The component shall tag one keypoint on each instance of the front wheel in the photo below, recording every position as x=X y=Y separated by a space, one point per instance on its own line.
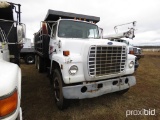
x=58 y=84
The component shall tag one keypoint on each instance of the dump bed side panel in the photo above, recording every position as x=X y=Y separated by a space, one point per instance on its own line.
x=41 y=44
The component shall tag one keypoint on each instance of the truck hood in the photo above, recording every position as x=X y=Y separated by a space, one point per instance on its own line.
x=77 y=46
x=79 y=51
x=8 y=77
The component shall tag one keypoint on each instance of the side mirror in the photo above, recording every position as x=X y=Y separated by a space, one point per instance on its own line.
x=53 y=30
x=53 y=35
x=100 y=32
x=21 y=32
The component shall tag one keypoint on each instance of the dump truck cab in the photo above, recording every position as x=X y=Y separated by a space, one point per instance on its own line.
x=10 y=73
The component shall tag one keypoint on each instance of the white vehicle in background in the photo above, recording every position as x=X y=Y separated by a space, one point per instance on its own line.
x=81 y=64
x=10 y=73
x=131 y=49
x=130 y=35
x=27 y=52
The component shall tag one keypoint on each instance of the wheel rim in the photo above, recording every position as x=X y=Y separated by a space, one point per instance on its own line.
x=56 y=89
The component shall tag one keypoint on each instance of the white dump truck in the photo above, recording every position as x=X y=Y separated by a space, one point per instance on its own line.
x=27 y=52
x=10 y=73
x=120 y=37
x=131 y=49
x=80 y=63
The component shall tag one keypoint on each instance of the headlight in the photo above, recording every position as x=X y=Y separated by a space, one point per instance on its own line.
x=8 y=104
x=131 y=64
x=73 y=70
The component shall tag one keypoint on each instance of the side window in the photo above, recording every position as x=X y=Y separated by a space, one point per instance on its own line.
x=92 y=33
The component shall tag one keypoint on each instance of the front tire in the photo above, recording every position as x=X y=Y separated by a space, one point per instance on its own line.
x=58 y=84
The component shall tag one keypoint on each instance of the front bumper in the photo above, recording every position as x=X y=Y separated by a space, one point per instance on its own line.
x=94 y=89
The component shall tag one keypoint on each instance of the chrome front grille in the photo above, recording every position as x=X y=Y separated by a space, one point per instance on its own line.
x=106 y=60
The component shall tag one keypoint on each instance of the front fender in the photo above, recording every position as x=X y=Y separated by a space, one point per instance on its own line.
x=67 y=62
x=130 y=70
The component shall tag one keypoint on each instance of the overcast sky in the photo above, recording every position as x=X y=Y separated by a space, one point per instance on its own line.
x=111 y=13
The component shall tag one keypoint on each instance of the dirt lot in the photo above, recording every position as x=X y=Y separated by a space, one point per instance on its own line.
x=38 y=102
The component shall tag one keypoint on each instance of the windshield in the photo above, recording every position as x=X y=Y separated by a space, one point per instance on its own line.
x=76 y=29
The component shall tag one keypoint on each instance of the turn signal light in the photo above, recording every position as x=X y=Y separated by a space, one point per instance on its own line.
x=44 y=28
x=66 y=53
x=8 y=104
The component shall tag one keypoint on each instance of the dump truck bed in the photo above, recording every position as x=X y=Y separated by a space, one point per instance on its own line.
x=53 y=15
